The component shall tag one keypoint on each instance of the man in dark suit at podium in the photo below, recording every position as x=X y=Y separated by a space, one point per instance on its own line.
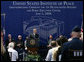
x=33 y=43
x=34 y=38
x=34 y=35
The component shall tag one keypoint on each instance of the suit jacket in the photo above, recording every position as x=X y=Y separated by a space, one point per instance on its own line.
x=20 y=42
x=74 y=44
x=33 y=37
x=7 y=42
x=49 y=42
x=36 y=36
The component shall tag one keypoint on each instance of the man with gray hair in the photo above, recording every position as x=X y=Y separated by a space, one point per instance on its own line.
x=12 y=52
x=20 y=47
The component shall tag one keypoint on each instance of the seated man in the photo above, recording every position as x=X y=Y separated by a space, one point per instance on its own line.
x=12 y=52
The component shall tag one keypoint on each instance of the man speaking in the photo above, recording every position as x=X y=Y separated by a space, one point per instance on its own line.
x=34 y=35
x=33 y=43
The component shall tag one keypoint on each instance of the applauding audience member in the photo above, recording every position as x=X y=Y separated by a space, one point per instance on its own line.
x=12 y=52
x=49 y=55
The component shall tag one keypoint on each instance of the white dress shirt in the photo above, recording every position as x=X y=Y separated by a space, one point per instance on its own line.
x=49 y=55
x=13 y=54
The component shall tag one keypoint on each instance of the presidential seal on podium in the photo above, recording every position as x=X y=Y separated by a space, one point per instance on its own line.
x=32 y=42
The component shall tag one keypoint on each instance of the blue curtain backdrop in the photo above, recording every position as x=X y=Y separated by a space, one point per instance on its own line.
x=54 y=17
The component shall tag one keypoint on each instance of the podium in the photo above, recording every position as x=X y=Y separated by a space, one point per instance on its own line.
x=32 y=46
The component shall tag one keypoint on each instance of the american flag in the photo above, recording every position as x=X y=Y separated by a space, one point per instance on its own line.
x=82 y=27
x=82 y=24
